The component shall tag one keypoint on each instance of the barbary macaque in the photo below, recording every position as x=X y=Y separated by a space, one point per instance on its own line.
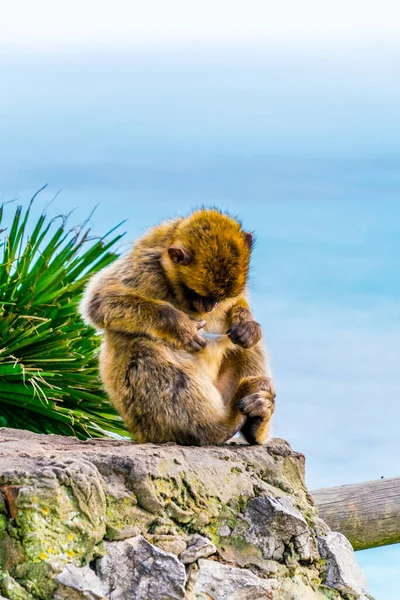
x=184 y=280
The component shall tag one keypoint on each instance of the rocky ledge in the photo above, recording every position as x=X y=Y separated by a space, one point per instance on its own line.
x=108 y=519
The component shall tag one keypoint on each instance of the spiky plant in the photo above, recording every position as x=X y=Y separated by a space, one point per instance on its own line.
x=48 y=367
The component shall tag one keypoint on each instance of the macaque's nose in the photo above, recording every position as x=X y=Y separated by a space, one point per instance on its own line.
x=210 y=303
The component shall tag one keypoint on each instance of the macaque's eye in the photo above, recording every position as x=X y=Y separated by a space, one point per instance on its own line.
x=179 y=256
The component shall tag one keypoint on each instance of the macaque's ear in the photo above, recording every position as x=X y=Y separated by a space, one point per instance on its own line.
x=179 y=256
x=249 y=239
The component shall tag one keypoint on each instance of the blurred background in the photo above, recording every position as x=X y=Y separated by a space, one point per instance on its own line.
x=286 y=116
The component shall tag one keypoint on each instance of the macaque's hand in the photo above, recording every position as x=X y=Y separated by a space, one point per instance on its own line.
x=188 y=335
x=245 y=333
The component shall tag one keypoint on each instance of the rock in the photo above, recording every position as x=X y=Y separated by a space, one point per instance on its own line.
x=224 y=531
x=198 y=547
x=343 y=572
x=178 y=514
x=169 y=543
x=297 y=589
x=250 y=557
x=123 y=534
x=274 y=523
x=223 y=582
x=12 y=588
x=64 y=503
x=136 y=570
x=79 y=583
x=59 y=507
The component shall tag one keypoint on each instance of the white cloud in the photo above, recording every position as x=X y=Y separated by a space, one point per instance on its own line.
x=45 y=22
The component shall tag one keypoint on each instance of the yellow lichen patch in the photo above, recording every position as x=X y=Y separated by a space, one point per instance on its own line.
x=123 y=513
x=55 y=517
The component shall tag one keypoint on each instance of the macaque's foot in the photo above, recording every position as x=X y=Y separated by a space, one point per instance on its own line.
x=260 y=404
x=258 y=408
x=257 y=384
x=245 y=333
x=257 y=402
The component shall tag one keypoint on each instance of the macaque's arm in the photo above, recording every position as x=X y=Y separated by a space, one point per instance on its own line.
x=118 y=308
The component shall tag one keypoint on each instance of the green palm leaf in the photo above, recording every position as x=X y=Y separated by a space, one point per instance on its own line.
x=49 y=380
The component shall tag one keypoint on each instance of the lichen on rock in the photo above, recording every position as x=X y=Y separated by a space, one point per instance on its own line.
x=117 y=520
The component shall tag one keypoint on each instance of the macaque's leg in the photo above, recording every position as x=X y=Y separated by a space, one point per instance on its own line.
x=163 y=398
x=244 y=378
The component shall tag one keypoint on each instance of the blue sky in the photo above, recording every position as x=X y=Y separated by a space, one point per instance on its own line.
x=302 y=142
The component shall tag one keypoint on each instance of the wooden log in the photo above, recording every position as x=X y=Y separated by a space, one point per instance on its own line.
x=368 y=514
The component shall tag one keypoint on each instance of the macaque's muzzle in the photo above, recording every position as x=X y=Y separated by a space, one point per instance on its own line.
x=202 y=305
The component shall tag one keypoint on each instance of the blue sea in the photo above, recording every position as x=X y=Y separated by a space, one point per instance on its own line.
x=303 y=144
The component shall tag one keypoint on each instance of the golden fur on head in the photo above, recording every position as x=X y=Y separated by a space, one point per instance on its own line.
x=213 y=258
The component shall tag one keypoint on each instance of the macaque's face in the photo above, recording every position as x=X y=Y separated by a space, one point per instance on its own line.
x=211 y=263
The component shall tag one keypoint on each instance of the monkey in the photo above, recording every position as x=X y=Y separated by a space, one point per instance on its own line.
x=182 y=280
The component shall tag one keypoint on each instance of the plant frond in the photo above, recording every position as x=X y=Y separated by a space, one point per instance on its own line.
x=49 y=379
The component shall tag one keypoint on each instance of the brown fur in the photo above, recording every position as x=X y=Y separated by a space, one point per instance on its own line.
x=167 y=381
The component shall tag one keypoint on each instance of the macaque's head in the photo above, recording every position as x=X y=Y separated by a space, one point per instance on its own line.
x=209 y=258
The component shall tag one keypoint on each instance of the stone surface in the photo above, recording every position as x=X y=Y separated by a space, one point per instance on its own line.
x=136 y=570
x=79 y=583
x=198 y=547
x=224 y=531
x=223 y=582
x=139 y=512
x=298 y=589
x=11 y=588
x=274 y=523
x=343 y=573
x=170 y=543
